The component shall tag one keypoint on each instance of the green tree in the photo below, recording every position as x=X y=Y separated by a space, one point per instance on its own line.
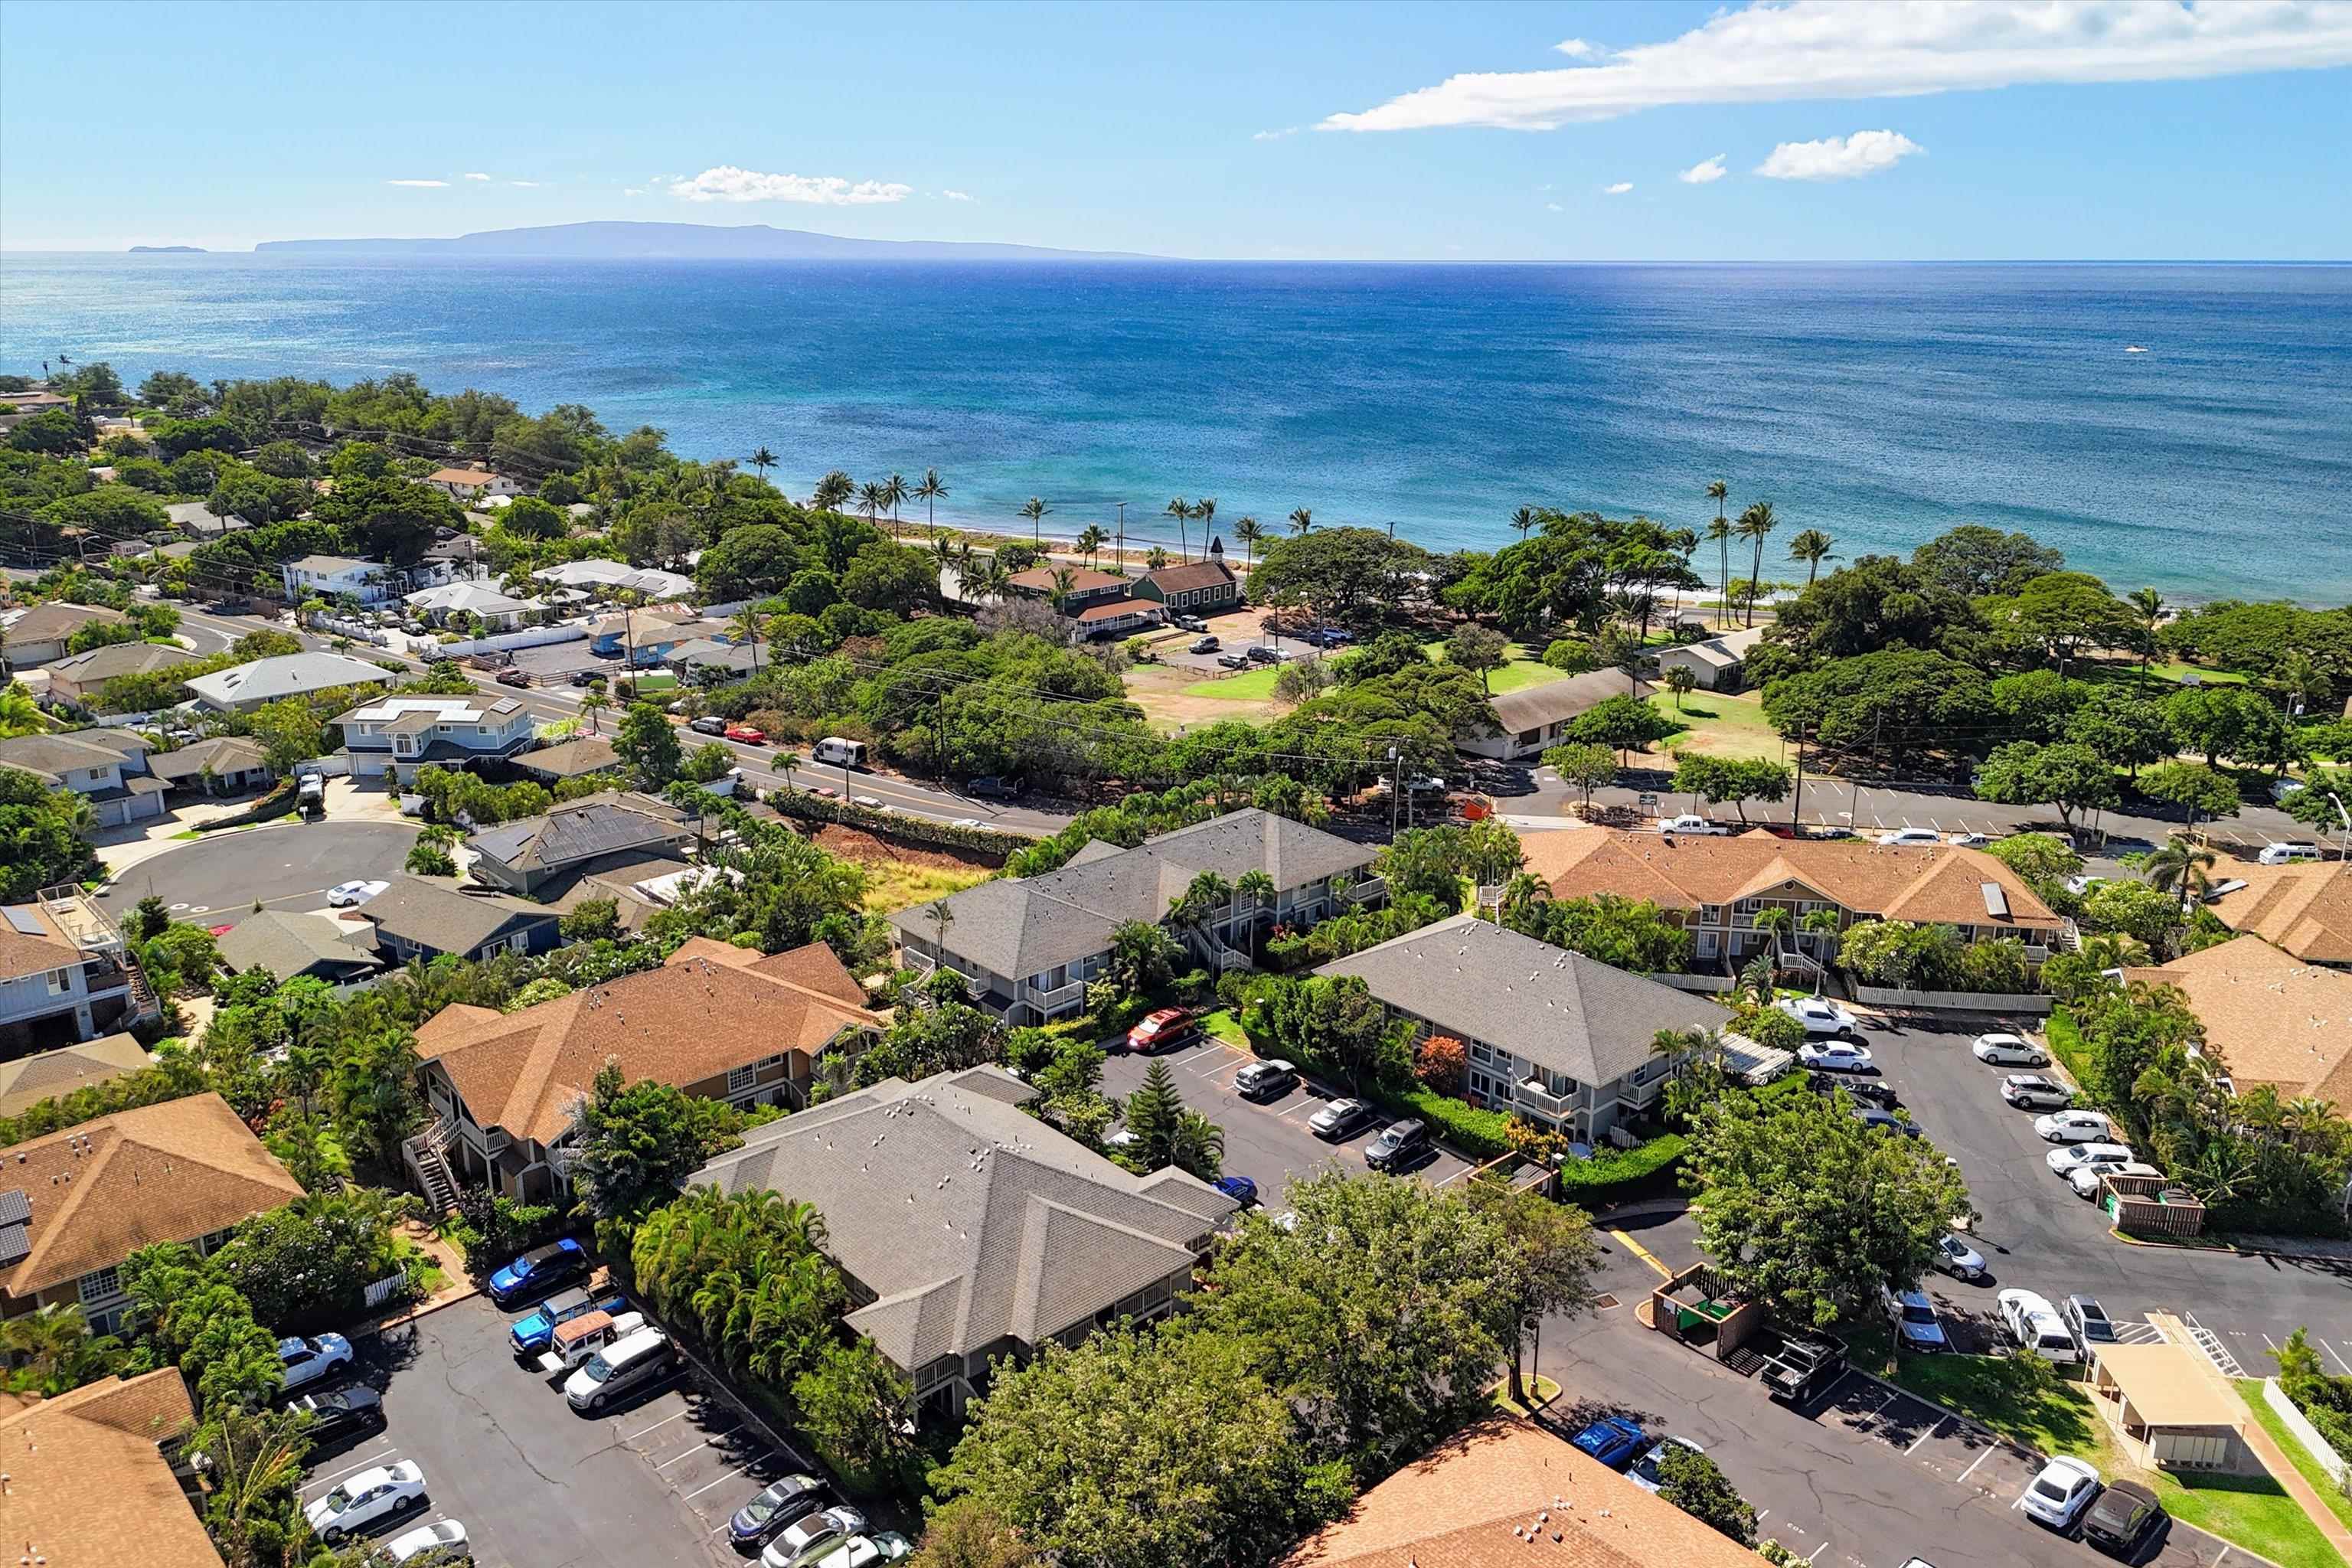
x=1696 y=1485
x=2065 y=612
x=965 y=1534
x=2071 y=777
x=2199 y=789
x=43 y=834
x=2126 y=732
x=251 y=1461
x=1625 y=933
x=635 y=1144
x=1153 y=1110
x=854 y=1407
x=429 y=858
x=1620 y=723
x=1812 y=548
x=647 y=742
x=1756 y=523
x=1584 y=766
x=1553 y=1253
x=371 y=1090
x=1482 y=648
x=1976 y=561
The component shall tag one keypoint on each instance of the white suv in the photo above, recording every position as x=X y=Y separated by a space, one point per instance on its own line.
x=2009 y=1051
x=2073 y=1157
x=368 y=1497
x=2034 y=1323
x=2074 y=1127
x=1819 y=1015
x=1911 y=838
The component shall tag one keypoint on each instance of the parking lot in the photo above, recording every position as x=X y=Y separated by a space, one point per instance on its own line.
x=1267 y=1141
x=538 y=1485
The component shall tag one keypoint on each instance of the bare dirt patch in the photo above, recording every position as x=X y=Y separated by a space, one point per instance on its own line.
x=874 y=849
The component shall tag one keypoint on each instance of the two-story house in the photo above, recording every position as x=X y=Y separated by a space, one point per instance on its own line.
x=1095 y=604
x=106 y=766
x=401 y=735
x=369 y=583
x=540 y=856
x=100 y=1474
x=66 y=974
x=471 y=484
x=1027 y=946
x=1207 y=587
x=37 y=634
x=970 y=1231
x=74 y=1205
x=2303 y=909
x=719 y=1022
x=1552 y=1035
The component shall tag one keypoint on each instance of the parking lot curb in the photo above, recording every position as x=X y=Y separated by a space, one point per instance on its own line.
x=426 y=1311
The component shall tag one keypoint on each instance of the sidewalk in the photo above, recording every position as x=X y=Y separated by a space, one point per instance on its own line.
x=2276 y=1461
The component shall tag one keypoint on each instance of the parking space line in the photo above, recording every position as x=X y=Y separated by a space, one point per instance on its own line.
x=1930 y=1432
x=689 y=1453
x=1644 y=1253
x=329 y=1481
x=658 y=1426
x=735 y=1474
x=1990 y=1449
x=2331 y=1350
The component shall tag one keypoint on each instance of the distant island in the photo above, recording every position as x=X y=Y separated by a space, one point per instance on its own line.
x=167 y=250
x=686 y=241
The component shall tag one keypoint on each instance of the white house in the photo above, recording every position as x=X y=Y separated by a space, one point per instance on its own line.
x=330 y=576
x=471 y=484
x=401 y=735
x=1535 y=719
x=106 y=766
x=501 y=611
x=653 y=584
x=264 y=680
x=1719 y=664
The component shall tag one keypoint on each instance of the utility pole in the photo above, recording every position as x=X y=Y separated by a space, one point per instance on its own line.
x=1122 y=538
x=1396 y=787
x=1796 y=810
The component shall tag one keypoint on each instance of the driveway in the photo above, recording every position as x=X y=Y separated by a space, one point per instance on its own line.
x=1268 y=1142
x=218 y=879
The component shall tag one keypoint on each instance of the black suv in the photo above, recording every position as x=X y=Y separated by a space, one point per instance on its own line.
x=1401 y=1144
x=2119 y=1523
x=1865 y=1091
x=341 y=1415
x=1803 y=1368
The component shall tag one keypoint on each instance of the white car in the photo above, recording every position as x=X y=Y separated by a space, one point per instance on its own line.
x=2009 y=1051
x=1818 y=1014
x=871 y=803
x=1969 y=840
x=807 y=1541
x=1911 y=838
x=2078 y=886
x=368 y=1497
x=972 y=822
x=2032 y=1321
x=442 y=1535
x=350 y=895
x=865 y=1550
x=306 y=1361
x=2075 y=1157
x=2086 y=1181
x=1689 y=824
x=1644 y=1471
x=2058 y=1496
x=2074 y=1127
x=1838 y=1056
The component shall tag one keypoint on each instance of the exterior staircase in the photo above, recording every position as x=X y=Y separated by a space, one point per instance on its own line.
x=427 y=1160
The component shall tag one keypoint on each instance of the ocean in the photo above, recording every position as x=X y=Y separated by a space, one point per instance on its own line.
x=2185 y=428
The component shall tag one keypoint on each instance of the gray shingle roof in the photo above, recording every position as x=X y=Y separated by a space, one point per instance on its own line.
x=427 y=914
x=577 y=830
x=1533 y=707
x=292 y=944
x=61 y=754
x=222 y=755
x=1543 y=1004
x=284 y=675
x=969 y=1221
x=104 y=664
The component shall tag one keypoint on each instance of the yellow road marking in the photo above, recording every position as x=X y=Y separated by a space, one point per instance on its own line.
x=1645 y=1254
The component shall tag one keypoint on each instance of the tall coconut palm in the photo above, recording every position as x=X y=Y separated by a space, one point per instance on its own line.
x=1754 y=523
x=1720 y=531
x=1065 y=583
x=1258 y=887
x=928 y=492
x=1301 y=520
x=1092 y=540
x=1523 y=520
x=894 y=496
x=2149 y=605
x=1812 y=548
x=762 y=459
x=1182 y=511
x=831 y=492
x=785 y=762
x=870 y=502
x=1247 y=531
x=745 y=630
x=1035 y=509
x=1204 y=511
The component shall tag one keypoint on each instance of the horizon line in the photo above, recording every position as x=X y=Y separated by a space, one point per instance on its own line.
x=1099 y=258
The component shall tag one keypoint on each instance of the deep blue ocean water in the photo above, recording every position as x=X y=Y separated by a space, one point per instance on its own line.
x=1882 y=402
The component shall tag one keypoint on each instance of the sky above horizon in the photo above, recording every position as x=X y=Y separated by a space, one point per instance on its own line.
x=1797 y=131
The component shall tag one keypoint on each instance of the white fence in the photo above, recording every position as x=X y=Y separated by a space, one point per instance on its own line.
x=507 y=642
x=1956 y=1001
x=1713 y=985
x=384 y=1289
x=357 y=631
x=2304 y=1432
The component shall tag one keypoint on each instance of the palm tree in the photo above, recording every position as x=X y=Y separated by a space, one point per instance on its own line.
x=871 y=503
x=1301 y=520
x=1196 y=1146
x=1258 y=887
x=894 y=495
x=1523 y=520
x=831 y=492
x=1679 y=679
x=1065 y=582
x=592 y=704
x=785 y=761
x=1182 y=511
x=745 y=628
x=1157 y=559
x=1247 y=531
x=251 y=1461
x=1720 y=532
x=928 y=492
x=2181 y=866
x=1754 y=523
x=1035 y=509
x=1204 y=511
x=1812 y=548
x=2148 y=605
x=942 y=917
x=762 y=459
x=1092 y=541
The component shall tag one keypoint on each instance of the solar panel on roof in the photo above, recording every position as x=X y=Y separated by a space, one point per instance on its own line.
x=26 y=922
x=14 y=1207
x=1996 y=901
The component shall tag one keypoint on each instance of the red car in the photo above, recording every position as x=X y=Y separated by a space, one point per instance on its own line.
x=1164 y=1028
x=748 y=735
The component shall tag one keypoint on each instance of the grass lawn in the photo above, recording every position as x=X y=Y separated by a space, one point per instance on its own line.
x=1257 y=685
x=893 y=885
x=1731 y=726
x=1226 y=1028
x=1244 y=686
x=1541 y=1391
x=2251 y=1389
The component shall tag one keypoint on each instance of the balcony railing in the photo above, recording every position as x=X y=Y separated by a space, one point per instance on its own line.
x=1536 y=1097
x=1055 y=999
x=80 y=918
x=1371 y=888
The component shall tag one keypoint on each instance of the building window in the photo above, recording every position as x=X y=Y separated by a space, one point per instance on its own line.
x=775 y=1061
x=741 y=1080
x=59 y=980
x=102 y=1285
x=1711 y=914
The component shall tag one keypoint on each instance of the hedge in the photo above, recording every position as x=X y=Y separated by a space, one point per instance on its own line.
x=2067 y=1044
x=1614 y=1176
x=809 y=808
x=275 y=804
x=1476 y=1132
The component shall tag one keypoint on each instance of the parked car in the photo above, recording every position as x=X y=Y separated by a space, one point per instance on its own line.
x=1265 y=1081
x=1958 y=1260
x=2283 y=853
x=446 y=1536
x=1264 y=654
x=1339 y=1119
x=350 y=895
x=708 y=724
x=2075 y=1157
x=2074 y=1127
x=337 y=1416
x=1400 y=1145
x=538 y=1272
x=2087 y=1323
x=2082 y=884
x=1645 y=1473
x=2058 y=1496
x=1886 y=1120
x=1234 y=661
x=1689 y=824
x=2122 y=1518
x=589 y=1335
x=812 y=1537
x=1968 y=840
x=1802 y=1367
x=307 y=1360
x=370 y=1498
x=867 y=1551
x=533 y=1332
x=1206 y=645
x=1822 y=1018
x=1915 y=1322
x=1912 y=838
x=2009 y=1051
x=512 y=676
x=1241 y=1189
x=1614 y=1440
x=1167 y=1026
x=870 y=802
x=581 y=677
x=989 y=787
x=747 y=734
x=1865 y=1091
x=1838 y=1056
x=779 y=1505
x=2033 y=1090
x=620 y=1370
x=2087 y=1181
x=2034 y=1324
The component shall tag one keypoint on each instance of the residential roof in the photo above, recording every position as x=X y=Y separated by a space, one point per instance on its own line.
x=1720 y=653
x=612 y=574
x=1561 y=1010
x=433 y=710
x=33 y=943
x=600 y=824
x=707 y=651
x=2167 y=1387
x=291 y=945
x=1533 y=707
x=104 y=664
x=87 y=1484
x=481 y=598
x=101 y=1191
x=1192 y=575
x=2305 y=909
x=1018 y=927
x=1506 y=1493
x=48 y=1075
x=463 y=477
x=334 y=565
x=1114 y=609
x=53 y=621
x=646 y=623
x=60 y=754
x=426 y=913
x=523 y=1070
x=584 y=755
x=1938 y=885
x=2270 y=1017
x=970 y=1220
x=1083 y=579
x=284 y=675
x=221 y=755
x=199 y=518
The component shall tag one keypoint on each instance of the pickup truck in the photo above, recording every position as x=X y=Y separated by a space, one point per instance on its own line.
x=1689 y=824
x=584 y=1336
x=1801 y=1368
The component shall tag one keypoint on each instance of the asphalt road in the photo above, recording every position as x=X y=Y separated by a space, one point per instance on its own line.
x=217 y=879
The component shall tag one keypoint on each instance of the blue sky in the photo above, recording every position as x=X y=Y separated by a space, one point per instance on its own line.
x=2087 y=129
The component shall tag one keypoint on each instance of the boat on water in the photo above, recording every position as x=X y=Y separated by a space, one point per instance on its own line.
x=2134 y=349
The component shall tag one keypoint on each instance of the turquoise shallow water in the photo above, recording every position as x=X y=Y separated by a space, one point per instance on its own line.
x=1880 y=403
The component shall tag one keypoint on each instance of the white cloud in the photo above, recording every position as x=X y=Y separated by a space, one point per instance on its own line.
x=1554 y=206
x=1771 y=53
x=420 y=184
x=1838 y=157
x=633 y=191
x=1619 y=189
x=526 y=184
x=1576 y=48
x=957 y=195
x=1274 y=135
x=1704 y=172
x=478 y=177
x=729 y=183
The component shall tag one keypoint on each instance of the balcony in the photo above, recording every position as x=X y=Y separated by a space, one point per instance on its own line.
x=1367 y=890
x=83 y=922
x=1532 y=1095
x=1055 y=999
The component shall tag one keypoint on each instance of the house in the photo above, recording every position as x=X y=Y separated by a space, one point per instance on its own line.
x=105 y=765
x=457 y=559
x=2170 y=1409
x=1505 y=1492
x=421 y=920
x=37 y=634
x=1088 y=587
x=708 y=658
x=970 y=1231
x=296 y=945
x=369 y=583
x=401 y=735
x=609 y=575
x=1716 y=887
x=496 y=611
x=1534 y=719
x=1117 y=618
x=471 y=484
x=2304 y=911
x=224 y=764
x=2268 y=1018
x=719 y=1022
x=248 y=686
x=88 y=1197
x=1027 y=946
x=16 y=407
x=26 y=1081
x=533 y=854
x=197 y=517
x=576 y=758
x=66 y=974
x=1719 y=664
x=95 y=1477
x=79 y=678
x=1556 y=1038
x=1207 y=587
x=650 y=637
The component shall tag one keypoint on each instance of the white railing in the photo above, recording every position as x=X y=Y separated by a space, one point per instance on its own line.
x=1048 y=1001
x=2304 y=1432
x=1956 y=1001
x=1536 y=1097
x=383 y=1290
x=1367 y=889
x=82 y=920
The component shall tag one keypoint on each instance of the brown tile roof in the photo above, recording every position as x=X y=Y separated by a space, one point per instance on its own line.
x=463 y=476
x=1187 y=578
x=1083 y=579
x=2269 y=1016
x=103 y=1189
x=587 y=755
x=22 y=954
x=2305 y=909
x=28 y=1080
x=711 y=1007
x=87 y=1486
x=1507 y=1494
x=1939 y=885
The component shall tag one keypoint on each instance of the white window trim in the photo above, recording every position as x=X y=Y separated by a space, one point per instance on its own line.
x=107 y=1287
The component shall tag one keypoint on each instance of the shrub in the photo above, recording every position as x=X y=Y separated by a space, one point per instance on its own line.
x=1442 y=1064
x=1616 y=1176
x=1481 y=1135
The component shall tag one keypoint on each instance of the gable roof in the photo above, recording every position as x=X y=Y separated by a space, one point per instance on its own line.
x=1506 y=1493
x=62 y=754
x=87 y=1484
x=33 y=943
x=2305 y=909
x=285 y=675
x=53 y=621
x=1114 y=609
x=600 y=824
x=1017 y=927
x=584 y=755
x=1190 y=576
x=1083 y=580
x=50 y=1075
x=334 y=565
x=426 y=913
x=290 y=944
x=221 y=755
x=970 y=1220
x=1928 y=885
x=1719 y=653
x=1561 y=1010
x=101 y=1191
x=462 y=477
x=119 y=658
x=2270 y=1017
x=1533 y=707
x=709 y=1008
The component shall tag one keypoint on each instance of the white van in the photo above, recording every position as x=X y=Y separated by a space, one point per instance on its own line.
x=2281 y=854
x=619 y=1370
x=833 y=749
